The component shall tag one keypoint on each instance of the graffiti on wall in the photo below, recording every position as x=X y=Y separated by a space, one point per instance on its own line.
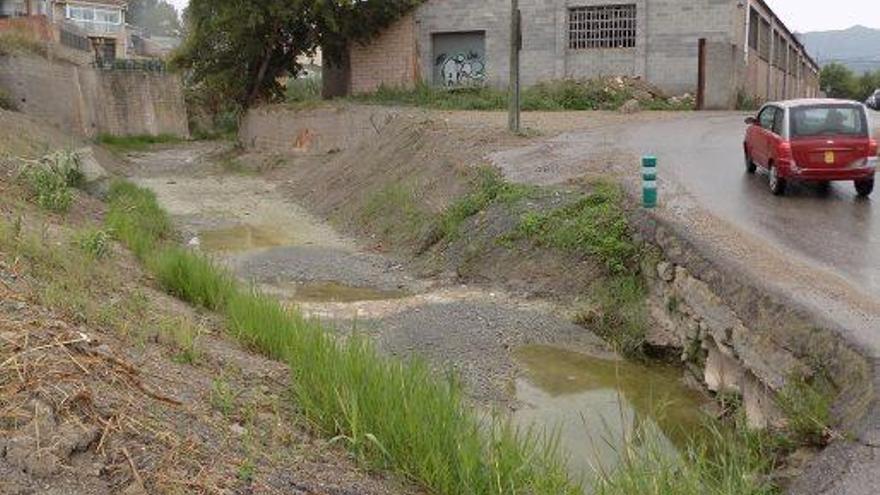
x=462 y=69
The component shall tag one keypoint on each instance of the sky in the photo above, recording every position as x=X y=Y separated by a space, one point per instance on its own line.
x=799 y=15
x=180 y=4
x=822 y=15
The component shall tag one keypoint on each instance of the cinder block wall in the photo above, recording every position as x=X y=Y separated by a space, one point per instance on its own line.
x=391 y=59
x=666 y=51
x=86 y=101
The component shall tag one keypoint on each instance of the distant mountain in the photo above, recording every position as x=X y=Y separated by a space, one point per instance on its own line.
x=857 y=47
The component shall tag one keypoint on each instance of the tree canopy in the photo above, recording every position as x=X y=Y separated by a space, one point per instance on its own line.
x=156 y=17
x=838 y=81
x=236 y=50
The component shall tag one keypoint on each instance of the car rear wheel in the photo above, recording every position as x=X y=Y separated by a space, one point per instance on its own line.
x=865 y=187
x=751 y=168
x=777 y=183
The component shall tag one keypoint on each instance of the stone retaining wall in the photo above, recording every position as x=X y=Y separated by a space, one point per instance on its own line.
x=739 y=339
x=87 y=101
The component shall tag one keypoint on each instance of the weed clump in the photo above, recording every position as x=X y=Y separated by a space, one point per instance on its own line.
x=136 y=219
x=52 y=179
x=95 y=242
x=487 y=187
x=807 y=407
x=594 y=226
x=192 y=277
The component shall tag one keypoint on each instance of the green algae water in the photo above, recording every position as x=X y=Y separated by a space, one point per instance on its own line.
x=596 y=405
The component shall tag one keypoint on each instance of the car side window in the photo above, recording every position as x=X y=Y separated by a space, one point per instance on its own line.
x=766 y=118
x=779 y=122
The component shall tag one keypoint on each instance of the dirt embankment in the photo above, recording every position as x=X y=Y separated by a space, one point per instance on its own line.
x=108 y=386
x=389 y=188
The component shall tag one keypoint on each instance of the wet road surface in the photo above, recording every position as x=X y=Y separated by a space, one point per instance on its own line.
x=830 y=227
x=700 y=154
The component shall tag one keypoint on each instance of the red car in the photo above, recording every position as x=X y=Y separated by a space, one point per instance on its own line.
x=812 y=140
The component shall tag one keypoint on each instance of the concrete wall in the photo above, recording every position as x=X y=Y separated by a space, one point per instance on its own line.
x=766 y=78
x=86 y=101
x=285 y=131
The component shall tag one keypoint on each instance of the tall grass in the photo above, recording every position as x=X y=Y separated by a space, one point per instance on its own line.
x=136 y=218
x=725 y=461
x=391 y=414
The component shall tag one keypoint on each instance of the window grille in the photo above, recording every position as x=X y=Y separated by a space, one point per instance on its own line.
x=602 y=26
x=764 y=41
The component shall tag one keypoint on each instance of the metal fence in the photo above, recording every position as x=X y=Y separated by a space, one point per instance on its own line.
x=74 y=40
x=120 y=64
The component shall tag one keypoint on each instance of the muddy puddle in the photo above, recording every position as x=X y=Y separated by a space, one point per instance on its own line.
x=595 y=404
x=244 y=237
x=333 y=292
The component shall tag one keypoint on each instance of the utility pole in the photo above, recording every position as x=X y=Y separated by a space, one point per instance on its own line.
x=515 y=48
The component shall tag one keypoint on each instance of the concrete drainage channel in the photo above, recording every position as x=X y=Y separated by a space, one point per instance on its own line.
x=508 y=351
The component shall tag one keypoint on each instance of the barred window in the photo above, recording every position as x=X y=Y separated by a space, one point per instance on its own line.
x=602 y=26
x=754 y=28
x=764 y=41
x=780 y=48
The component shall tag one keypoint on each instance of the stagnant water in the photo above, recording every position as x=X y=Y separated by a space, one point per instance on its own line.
x=332 y=292
x=596 y=405
x=242 y=238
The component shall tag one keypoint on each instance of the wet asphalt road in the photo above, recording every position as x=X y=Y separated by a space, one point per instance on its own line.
x=702 y=152
x=833 y=227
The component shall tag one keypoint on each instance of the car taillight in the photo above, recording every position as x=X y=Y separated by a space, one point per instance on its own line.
x=872 y=147
x=783 y=152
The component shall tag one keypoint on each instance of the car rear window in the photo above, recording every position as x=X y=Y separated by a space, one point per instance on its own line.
x=828 y=120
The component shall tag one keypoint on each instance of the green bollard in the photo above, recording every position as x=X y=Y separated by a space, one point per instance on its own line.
x=649 y=182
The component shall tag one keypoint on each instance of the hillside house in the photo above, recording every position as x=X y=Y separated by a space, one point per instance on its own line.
x=100 y=22
x=721 y=50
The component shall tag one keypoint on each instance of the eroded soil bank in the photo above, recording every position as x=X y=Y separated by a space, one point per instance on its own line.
x=502 y=344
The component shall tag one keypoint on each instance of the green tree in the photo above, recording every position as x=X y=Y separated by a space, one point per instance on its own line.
x=839 y=82
x=867 y=84
x=236 y=50
x=156 y=17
